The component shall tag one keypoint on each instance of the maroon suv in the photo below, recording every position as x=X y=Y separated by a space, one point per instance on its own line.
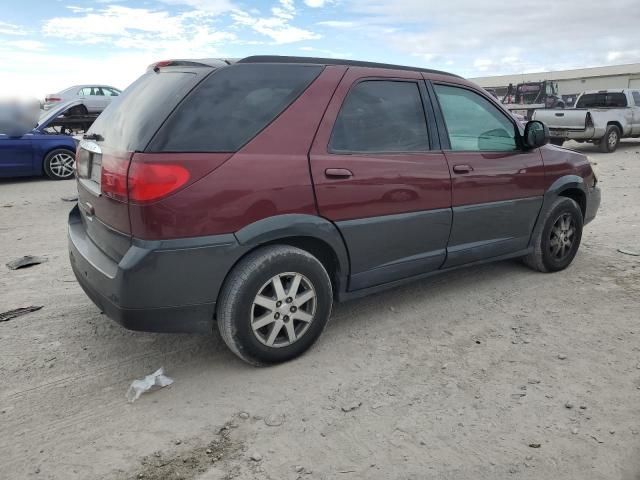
x=253 y=194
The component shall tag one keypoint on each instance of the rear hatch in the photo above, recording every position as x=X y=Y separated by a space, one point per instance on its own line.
x=104 y=155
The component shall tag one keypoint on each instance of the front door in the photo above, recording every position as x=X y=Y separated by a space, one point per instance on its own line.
x=497 y=187
x=376 y=176
x=16 y=156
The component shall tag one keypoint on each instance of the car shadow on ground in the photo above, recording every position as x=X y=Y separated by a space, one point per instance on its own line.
x=209 y=352
x=626 y=145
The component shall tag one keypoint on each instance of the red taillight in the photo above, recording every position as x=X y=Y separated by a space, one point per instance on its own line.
x=113 y=177
x=152 y=181
x=52 y=99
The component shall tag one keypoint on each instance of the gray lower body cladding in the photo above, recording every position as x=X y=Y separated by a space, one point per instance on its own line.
x=164 y=286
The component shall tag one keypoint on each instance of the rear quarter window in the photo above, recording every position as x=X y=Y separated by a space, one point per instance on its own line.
x=232 y=106
x=602 y=100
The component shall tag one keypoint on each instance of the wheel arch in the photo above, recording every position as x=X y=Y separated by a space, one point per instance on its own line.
x=568 y=186
x=615 y=123
x=316 y=235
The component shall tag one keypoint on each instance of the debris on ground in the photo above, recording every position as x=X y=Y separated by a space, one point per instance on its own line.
x=16 y=312
x=274 y=420
x=244 y=415
x=629 y=252
x=138 y=387
x=26 y=261
x=70 y=198
x=534 y=445
x=562 y=356
x=256 y=457
x=352 y=406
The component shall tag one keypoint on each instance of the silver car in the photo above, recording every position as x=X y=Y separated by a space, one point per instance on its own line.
x=94 y=97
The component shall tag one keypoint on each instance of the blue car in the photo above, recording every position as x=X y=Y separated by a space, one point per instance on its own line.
x=45 y=149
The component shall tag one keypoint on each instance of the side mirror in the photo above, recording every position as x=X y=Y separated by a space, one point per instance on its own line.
x=536 y=134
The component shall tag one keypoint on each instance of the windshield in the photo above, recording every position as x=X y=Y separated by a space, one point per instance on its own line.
x=602 y=100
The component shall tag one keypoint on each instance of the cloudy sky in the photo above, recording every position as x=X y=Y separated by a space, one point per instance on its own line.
x=46 y=46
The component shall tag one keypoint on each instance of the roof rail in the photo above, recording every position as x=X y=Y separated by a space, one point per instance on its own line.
x=336 y=61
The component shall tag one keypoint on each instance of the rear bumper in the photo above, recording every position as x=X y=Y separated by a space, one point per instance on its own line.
x=593 y=203
x=157 y=286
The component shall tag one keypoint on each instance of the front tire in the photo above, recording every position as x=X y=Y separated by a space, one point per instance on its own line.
x=557 y=242
x=59 y=164
x=611 y=140
x=274 y=305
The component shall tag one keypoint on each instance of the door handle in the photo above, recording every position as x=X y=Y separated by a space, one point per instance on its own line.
x=338 y=173
x=462 y=168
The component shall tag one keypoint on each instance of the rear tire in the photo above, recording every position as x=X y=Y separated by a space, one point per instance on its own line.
x=611 y=140
x=59 y=164
x=557 y=242
x=274 y=305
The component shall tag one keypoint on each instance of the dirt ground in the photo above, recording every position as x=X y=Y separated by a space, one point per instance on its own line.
x=487 y=373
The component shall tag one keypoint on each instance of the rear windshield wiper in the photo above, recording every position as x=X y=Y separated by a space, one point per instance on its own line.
x=93 y=136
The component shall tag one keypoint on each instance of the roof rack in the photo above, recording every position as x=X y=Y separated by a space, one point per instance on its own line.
x=336 y=61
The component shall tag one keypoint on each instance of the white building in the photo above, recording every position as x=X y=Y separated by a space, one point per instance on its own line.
x=572 y=82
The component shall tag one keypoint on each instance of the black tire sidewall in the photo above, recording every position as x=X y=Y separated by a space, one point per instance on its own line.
x=47 y=160
x=243 y=334
x=566 y=206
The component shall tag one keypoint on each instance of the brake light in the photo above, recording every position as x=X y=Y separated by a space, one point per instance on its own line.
x=152 y=181
x=52 y=99
x=113 y=177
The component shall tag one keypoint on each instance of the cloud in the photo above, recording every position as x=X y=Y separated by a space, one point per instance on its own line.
x=338 y=23
x=11 y=29
x=31 y=45
x=315 y=3
x=277 y=26
x=186 y=34
x=551 y=35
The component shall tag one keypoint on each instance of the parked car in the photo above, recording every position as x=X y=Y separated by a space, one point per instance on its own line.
x=255 y=194
x=42 y=150
x=94 y=97
x=602 y=117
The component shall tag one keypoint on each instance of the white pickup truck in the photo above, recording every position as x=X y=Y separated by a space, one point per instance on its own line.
x=602 y=117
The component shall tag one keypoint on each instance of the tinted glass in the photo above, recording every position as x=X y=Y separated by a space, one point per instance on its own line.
x=636 y=98
x=231 y=106
x=381 y=116
x=132 y=118
x=474 y=123
x=602 y=100
x=85 y=91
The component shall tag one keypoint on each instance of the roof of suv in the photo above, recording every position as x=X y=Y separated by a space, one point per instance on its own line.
x=219 y=62
x=336 y=61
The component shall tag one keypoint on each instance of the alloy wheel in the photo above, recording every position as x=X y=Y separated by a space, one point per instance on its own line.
x=562 y=236
x=283 y=309
x=62 y=165
x=613 y=139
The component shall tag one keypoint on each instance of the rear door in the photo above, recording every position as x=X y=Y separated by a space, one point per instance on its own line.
x=16 y=155
x=497 y=187
x=379 y=175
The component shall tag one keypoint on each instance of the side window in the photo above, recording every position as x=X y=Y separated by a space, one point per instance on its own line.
x=110 y=92
x=86 y=91
x=474 y=123
x=636 y=98
x=232 y=106
x=381 y=116
x=97 y=91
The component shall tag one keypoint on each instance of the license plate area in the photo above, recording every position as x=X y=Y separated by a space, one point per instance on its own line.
x=89 y=162
x=558 y=133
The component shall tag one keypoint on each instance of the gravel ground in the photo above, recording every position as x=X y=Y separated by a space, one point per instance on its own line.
x=488 y=373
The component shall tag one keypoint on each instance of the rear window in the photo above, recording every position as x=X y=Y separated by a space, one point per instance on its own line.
x=602 y=100
x=132 y=118
x=231 y=106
